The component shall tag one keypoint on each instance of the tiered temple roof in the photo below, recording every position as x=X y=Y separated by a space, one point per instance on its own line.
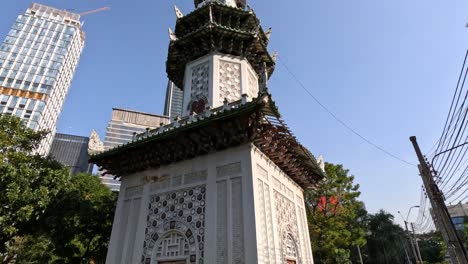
x=215 y=27
x=257 y=122
x=232 y=30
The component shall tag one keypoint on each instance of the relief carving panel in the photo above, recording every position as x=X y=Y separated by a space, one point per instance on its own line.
x=179 y=212
x=287 y=227
x=199 y=87
x=229 y=81
x=253 y=85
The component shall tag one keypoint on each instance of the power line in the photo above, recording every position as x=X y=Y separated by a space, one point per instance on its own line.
x=453 y=99
x=339 y=120
x=459 y=183
x=450 y=157
x=422 y=206
x=454 y=170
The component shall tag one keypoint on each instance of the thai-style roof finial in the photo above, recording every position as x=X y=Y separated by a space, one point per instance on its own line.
x=225 y=104
x=244 y=99
x=207 y=111
x=172 y=35
x=274 y=56
x=178 y=13
x=321 y=163
x=95 y=145
x=268 y=33
x=161 y=128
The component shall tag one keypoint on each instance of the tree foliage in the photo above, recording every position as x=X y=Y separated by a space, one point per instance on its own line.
x=77 y=224
x=335 y=216
x=28 y=182
x=432 y=247
x=386 y=241
x=47 y=215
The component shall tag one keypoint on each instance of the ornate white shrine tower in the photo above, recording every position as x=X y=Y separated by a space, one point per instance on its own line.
x=224 y=183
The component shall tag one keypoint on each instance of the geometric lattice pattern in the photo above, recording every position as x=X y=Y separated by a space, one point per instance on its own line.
x=176 y=225
x=200 y=81
x=200 y=78
x=229 y=81
x=173 y=245
x=287 y=225
x=291 y=250
x=253 y=86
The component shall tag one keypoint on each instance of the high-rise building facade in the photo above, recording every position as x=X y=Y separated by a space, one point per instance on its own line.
x=174 y=100
x=459 y=215
x=37 y=61
x=121 y=129
x=72 y=152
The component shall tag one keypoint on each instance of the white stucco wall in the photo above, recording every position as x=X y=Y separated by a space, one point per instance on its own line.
x=279 y=212
x=239 y=210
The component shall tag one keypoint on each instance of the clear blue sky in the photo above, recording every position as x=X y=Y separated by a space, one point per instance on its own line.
x=388 y=68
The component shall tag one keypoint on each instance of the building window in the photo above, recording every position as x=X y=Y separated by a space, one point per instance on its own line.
x=458 y=222
x=13 y=101
x=5 y=99
x=19 y=112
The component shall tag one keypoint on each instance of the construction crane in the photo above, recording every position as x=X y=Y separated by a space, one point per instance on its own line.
x=95 y=11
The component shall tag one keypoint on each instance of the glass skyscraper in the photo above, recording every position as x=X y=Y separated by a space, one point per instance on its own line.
x=37 y=61
x=174 y=101
x=72 y=152
x=120 y=130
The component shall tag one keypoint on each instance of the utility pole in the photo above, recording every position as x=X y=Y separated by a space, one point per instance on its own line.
x=416 y=244
x=411 y=243
x=408 y=261
x=441 y=216
x=410 y=238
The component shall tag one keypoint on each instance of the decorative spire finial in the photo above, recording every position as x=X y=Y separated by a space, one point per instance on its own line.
x=172 y=35
x=178 y=13
x=95 y=145
x=274 y=56
x=268 y=33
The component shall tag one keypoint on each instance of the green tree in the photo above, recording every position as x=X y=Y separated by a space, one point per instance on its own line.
x=386 y=242
x=34 y=249
x=432 y=247
x=75 y=227
x=46 y=215
x=79 y=220
x=28 y=182
x=464 y=234
x=336 y=217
